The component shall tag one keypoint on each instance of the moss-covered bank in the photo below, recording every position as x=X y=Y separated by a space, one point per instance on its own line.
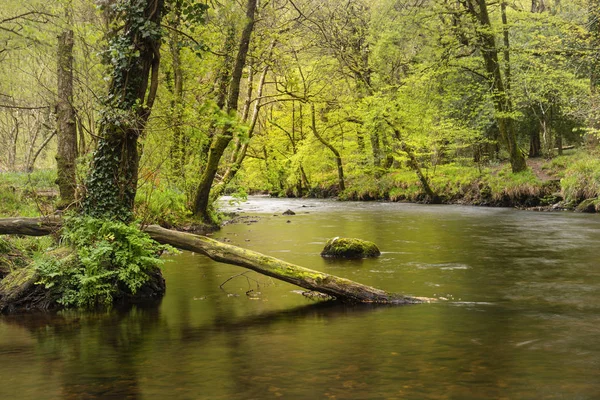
x=97 y=263
x=570 y=182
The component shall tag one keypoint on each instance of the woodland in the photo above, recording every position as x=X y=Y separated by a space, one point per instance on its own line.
x=120 y=114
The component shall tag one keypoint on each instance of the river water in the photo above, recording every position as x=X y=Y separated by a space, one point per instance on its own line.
x=518 y=315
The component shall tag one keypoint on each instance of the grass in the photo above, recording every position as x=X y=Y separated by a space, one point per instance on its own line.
x=19 y=193
x=581 y=179
x=453 y=183
x=515 y=188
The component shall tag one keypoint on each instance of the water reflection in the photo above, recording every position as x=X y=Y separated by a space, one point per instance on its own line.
x=90 y=355
x=521 y=319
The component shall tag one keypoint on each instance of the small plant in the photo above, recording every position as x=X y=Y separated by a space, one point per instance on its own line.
x=110 y=258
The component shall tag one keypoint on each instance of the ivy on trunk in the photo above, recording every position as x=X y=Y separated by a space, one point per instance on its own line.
x=134 y=57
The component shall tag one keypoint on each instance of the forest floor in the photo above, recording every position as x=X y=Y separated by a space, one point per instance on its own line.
x=537 y=167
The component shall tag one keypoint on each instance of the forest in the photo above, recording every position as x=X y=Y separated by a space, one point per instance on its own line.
x=114 y=111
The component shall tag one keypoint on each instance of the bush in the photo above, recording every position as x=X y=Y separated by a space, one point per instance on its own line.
x=514 y=186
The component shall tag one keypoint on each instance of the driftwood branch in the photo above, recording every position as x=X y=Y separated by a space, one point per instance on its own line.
x=340 y=288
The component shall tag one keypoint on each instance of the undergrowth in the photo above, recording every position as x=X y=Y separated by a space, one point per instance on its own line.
x=162 y=205
x=19 y=193
x=108 y=259
x=581 y=179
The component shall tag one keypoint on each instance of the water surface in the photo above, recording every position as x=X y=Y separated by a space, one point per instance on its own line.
x=518 y=315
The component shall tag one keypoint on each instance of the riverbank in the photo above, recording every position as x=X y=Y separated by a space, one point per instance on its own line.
x=569 y=182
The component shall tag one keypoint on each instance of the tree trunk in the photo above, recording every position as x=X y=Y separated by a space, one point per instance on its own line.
x=177 y=151
x=501 y=99
x=239 y=153
x=594 y=31
x=112 y=184
x=222 y=139
x=336 y=153
x=535 y=144
x=40 y=149
x=14 y=138
x=414 y=164
x=341 y=289
x=66 y=153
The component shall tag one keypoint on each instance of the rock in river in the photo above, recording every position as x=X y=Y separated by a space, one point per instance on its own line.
x=350 y=248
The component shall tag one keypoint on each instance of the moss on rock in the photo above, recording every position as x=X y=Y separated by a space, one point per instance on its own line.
x=350 y=248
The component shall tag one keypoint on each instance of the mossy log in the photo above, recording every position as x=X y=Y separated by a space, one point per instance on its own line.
x=339 y=288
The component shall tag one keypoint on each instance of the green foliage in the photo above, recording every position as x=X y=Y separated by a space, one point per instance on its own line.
x=161 y=205
x=514 y=186
x=112 y=258
x=581 y=179
x=19 y=193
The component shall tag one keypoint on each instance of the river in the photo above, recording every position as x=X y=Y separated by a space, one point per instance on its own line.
x=517 y=316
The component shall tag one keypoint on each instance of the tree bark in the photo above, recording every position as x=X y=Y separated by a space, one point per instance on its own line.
x=224 y=137
x=112 y=184
x=341 y=289
x=66 y=153
x=535 y=144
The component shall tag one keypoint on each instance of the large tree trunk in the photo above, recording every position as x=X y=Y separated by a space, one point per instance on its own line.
x=66 y=153
x=112 y=184
x=340 y=288
x=222 y=139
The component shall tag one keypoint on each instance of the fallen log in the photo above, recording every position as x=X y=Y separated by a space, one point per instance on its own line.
x=30 y=226
x=341 y=289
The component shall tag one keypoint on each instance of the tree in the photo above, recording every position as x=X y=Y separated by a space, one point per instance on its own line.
x=66 y=153
x=134 y=54
x=478 y=10
x=222 y=139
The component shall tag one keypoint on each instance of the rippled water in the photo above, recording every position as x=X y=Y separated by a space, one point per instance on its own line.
x=518 y=315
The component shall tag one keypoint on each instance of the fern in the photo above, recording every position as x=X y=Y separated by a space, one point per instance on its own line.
x=110 y=257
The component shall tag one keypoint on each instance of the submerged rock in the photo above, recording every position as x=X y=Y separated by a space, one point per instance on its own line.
x=289 y=212
x=350 y=248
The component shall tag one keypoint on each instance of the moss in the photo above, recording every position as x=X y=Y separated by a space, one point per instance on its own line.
x=17 y=279
x=350 y=248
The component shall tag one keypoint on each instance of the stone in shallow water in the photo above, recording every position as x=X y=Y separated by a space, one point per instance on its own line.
x=350 y=248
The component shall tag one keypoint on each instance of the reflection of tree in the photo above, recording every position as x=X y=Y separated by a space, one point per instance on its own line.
x=96 y=354
x=255 y=346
